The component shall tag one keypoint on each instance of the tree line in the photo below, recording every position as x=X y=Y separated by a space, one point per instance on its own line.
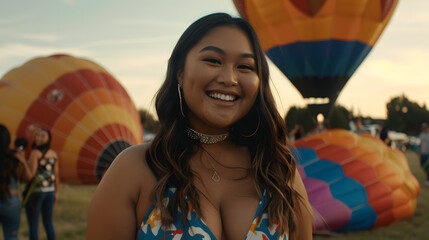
x=403 y=115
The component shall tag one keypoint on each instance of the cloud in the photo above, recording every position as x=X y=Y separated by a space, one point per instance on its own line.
x=6 y=21
x=41 y=37
x=142 y=90
x=400 y=68
x=68 y=2
x=13 y=19
x=138 y=63
x=411 y=12
x=17 y=50
x=127 y=41
x=385 y=76
x=410 y=17
x=151 y=22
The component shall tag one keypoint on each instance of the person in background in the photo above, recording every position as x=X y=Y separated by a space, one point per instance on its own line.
x=10 y=206
x=424 y=150
x=219 y=167
x=42 y=191
x=359 y=127
x=384 y=135
x=297 y=132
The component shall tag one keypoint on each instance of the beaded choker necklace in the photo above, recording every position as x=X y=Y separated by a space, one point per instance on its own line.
x=205 y=138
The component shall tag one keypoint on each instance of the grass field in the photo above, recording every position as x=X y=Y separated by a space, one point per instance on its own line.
x=70 y=215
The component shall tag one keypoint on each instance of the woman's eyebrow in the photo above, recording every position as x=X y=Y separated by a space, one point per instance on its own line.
x=221 y=51
x=213 y=48
x=247 y=55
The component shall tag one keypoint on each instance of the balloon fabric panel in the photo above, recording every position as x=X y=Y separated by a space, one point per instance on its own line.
x=90 y=115
x=372 y=182
x=317 y=44
x=85 y=164
x=281 y=22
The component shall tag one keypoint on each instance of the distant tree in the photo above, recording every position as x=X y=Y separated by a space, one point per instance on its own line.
x=406 y=116
x=340 y=117
x=148 y=121
x=302 y=116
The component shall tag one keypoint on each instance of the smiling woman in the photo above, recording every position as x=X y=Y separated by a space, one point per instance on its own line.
x=219 y=80
x=219 y=167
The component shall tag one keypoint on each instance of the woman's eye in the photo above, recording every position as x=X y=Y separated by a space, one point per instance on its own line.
x=212 y=60
x=246 y=67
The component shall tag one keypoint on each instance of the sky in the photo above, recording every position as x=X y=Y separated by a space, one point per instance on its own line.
x=133 y=40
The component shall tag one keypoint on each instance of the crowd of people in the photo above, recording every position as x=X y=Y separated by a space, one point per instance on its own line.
x=40 y=173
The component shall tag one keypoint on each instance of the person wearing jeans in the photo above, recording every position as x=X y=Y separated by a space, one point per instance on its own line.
x=41 y=192
x=10 y=216
x=13 y=167
x=41 y=203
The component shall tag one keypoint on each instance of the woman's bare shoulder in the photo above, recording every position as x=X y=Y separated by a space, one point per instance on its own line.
x=134 y=155
x=132 y=162
x=35 y=153
x=122 y=196
x=51 y=154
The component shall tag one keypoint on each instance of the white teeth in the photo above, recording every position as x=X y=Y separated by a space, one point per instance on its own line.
x=222 y=96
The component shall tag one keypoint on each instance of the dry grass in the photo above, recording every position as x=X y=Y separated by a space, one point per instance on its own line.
x=70 y=213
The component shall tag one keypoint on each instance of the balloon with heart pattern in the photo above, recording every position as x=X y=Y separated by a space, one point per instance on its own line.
x=317 y=44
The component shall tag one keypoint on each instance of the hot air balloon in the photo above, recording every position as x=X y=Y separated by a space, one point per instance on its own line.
x=317 y=44
x=90 y=115
x=355 y=181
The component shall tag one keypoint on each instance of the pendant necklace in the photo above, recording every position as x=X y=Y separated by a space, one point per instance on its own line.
x=215 y=176
x=208 y=139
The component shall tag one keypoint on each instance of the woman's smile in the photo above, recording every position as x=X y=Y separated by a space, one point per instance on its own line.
x=222 y=96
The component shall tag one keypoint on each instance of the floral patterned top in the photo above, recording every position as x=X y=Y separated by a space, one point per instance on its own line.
x=197 y=229
x=45 y=175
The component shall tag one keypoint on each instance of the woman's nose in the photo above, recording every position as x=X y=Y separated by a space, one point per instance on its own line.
x=228 y=76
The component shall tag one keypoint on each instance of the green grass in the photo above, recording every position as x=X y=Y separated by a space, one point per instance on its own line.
x=70 y=214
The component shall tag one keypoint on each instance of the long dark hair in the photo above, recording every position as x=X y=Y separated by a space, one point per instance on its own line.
x=272 y=164
x=8 y=164
x=45 y=147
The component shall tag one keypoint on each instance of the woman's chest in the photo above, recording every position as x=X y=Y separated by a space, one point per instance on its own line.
x=234 y=217
x=238 y=217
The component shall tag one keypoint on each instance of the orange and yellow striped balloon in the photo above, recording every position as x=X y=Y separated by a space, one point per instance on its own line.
x=318 y=44
x=90 y=115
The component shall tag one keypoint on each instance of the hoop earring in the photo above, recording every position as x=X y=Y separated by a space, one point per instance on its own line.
x=180 y=99
x=254 y=132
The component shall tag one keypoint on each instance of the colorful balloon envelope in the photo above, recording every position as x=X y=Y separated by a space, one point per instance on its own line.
x=90 y=115
x=317 y=44
x=355 y=181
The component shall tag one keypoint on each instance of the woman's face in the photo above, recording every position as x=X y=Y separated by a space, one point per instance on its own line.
x=219 y=80
x=42 y=137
